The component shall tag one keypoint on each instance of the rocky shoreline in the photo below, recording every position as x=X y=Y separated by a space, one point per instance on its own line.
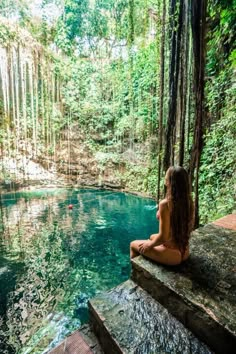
x=77 y=164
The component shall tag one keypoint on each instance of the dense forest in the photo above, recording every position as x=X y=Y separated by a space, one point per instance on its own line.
x=112 y=92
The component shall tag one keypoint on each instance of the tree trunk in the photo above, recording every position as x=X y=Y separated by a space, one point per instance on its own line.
x=161 y=95
x=184 y=82
x=130 y=78
x=176 y=31
x=198 y=22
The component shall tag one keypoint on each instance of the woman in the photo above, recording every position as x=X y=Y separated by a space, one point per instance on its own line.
x=171 y=245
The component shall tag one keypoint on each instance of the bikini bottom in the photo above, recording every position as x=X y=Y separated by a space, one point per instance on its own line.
x=174 y=248
x=170 y=247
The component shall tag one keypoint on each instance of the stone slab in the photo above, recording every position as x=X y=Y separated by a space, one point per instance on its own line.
x=74 y=344
x=90 y=338
x=128 y=320
x=201 y=292
x=228 y=222
x=82 y=341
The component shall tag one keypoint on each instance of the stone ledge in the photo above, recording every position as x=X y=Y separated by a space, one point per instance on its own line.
x=201 y=293
x=228 y=222
x=128 y=320
x=73 y=344
x=82 y=341
x=90 y=338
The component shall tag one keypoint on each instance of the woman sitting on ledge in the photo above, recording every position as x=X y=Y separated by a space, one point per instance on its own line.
x=171 y=245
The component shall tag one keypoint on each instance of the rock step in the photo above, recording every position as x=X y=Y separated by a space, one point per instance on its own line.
x=201 y=292
x=73 y=344
x=128 y=320
x=90 y=338
x=82 y=341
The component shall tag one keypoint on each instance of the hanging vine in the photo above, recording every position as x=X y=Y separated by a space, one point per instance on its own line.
x=161 y=98
x=27 y=94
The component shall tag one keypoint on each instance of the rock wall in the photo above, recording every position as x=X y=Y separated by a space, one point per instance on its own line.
x=80 y=161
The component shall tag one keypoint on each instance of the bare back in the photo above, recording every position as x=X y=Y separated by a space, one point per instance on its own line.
x=165 y=224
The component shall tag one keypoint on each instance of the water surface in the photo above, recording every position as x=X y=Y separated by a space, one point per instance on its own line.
x=53 y=259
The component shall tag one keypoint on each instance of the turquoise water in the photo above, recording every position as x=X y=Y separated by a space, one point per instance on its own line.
x=53 y=259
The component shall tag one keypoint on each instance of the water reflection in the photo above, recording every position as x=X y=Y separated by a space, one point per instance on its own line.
x=52 y=259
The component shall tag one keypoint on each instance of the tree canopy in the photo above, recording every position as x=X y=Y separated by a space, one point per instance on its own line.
x=150 y=79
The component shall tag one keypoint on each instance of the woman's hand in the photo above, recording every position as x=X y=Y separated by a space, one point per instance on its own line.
x=145 y=246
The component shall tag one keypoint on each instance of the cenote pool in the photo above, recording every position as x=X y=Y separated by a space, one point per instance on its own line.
x=53 y=259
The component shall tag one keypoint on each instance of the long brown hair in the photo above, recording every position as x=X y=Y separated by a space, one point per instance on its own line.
x=181 y=206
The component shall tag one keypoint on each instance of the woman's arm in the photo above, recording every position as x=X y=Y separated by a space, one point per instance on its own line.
x=156 y=240
x=159 y=238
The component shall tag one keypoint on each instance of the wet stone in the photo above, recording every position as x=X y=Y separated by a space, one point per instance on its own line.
x=201 y=292
x=128 y=320
x=91 y=340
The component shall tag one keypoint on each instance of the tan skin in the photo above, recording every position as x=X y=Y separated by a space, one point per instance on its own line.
x=160 y=247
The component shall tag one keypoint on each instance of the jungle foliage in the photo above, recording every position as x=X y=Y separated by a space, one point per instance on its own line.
x=217 y=171
x=126 y=76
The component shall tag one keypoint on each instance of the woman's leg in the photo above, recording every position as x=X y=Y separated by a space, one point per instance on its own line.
x=152 y=236
x=159 y=254
x=165 y=255
x=134 y=248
